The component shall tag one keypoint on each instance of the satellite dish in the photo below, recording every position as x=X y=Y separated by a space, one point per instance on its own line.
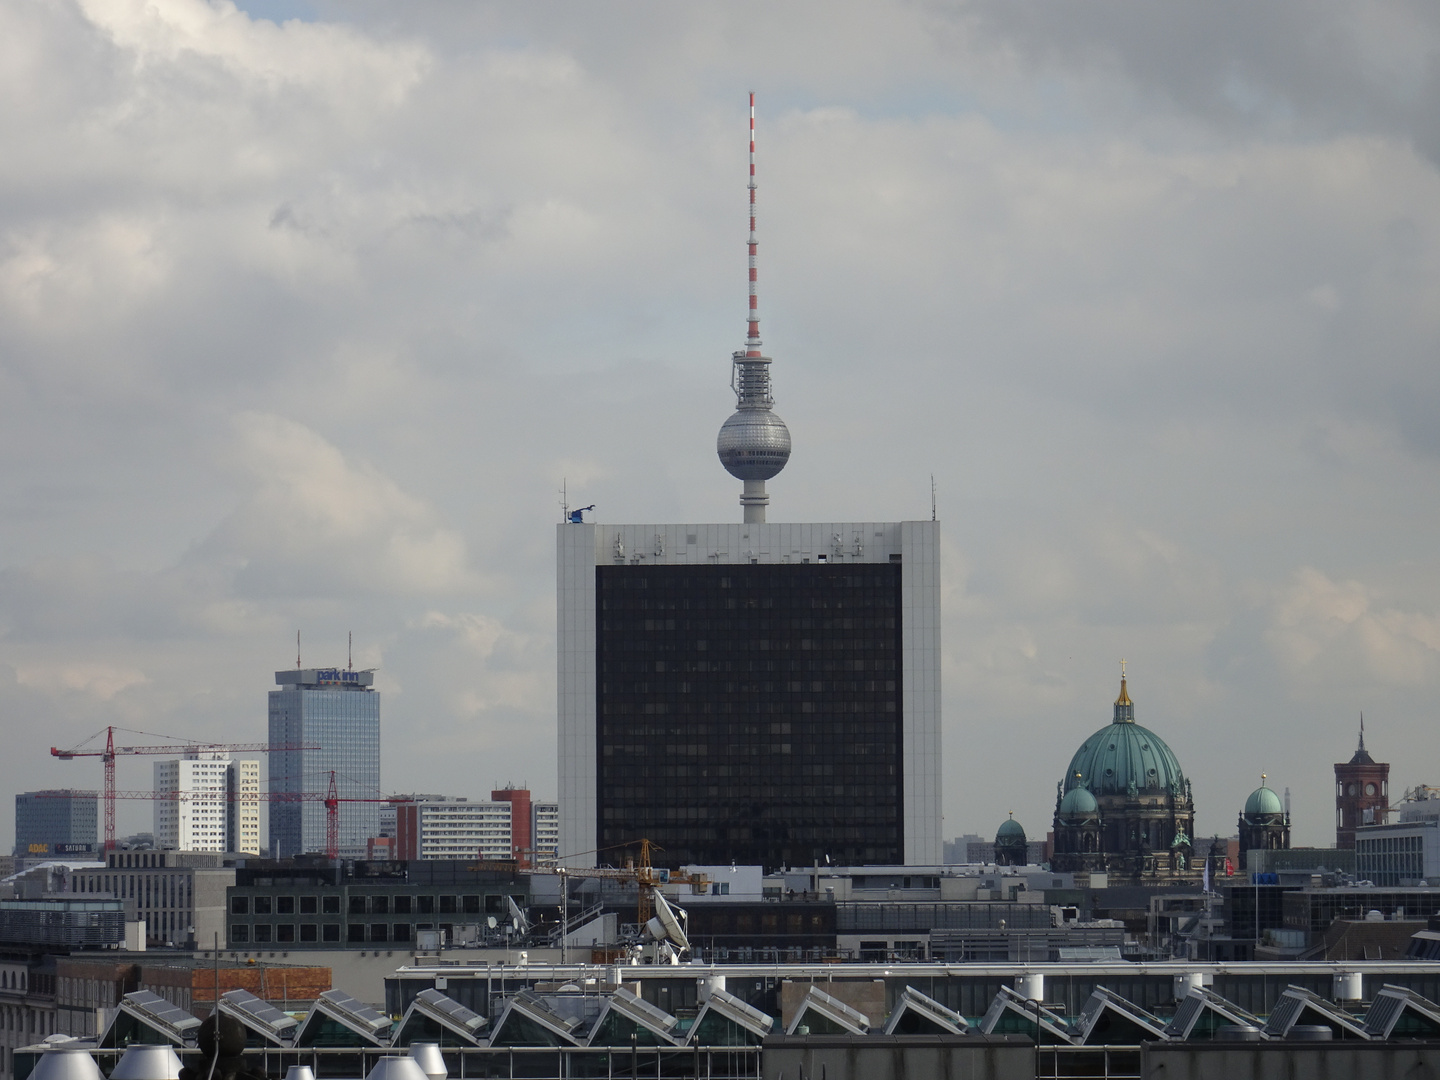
x=517 y=916
x=490 y=922
x=665 y=926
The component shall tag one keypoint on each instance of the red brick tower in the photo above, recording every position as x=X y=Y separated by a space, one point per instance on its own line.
x=1362 y=793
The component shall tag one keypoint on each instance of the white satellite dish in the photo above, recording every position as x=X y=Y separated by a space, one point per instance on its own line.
x=517 y=916
x=665 y=926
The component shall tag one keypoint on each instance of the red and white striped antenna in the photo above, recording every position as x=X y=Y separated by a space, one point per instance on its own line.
x=754 y=444
x=752 y=336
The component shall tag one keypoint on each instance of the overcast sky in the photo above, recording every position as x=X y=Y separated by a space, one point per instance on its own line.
x=307 y=310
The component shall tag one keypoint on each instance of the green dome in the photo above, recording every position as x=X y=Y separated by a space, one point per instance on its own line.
x=1121 y=752
x=1078 y=803
x=1010 y=829
x=1263 y=801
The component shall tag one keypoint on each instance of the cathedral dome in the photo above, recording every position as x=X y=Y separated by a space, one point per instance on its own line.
x=1262 y=803
x=1010 y=829
x=1123 y=755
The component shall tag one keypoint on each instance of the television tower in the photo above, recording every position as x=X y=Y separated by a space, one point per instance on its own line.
x=754 y=444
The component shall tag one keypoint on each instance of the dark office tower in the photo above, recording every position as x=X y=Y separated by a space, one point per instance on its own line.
x=1362 y=793
x=758 y=693
x=763 y=693
x=62 y=822
x=337 y=711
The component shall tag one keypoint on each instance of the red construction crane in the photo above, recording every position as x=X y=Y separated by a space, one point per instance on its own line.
x=110 y=752
x=332 y=800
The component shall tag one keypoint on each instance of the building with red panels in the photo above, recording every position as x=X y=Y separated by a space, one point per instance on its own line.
x=521 y=837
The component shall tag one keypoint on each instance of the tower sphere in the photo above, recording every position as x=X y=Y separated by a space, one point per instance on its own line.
x=754 y=444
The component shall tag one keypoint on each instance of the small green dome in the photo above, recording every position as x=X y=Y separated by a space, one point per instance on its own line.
x=1262 y=802
x=1010 y=829
x=1078 y=803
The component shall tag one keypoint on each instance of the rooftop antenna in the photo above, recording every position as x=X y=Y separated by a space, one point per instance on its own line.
x=754 y=444
x=1287 y=804
x=565 y=499
x=297 y=650
x=350 y=651
x=932 y=496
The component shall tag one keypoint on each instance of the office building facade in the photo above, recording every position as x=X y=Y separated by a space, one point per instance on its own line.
x=505 y=828
x=545 y=830
x=762 y=693
x=337 y=712
x=443 y=827
x=56 y=822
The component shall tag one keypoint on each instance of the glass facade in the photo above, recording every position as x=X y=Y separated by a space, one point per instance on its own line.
x=48 y=822
x=750 y=712
x=345 y=723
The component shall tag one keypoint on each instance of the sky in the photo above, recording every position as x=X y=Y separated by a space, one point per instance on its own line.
x=309 y=310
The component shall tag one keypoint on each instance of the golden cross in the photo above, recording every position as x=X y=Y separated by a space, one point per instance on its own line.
x=1122 y=667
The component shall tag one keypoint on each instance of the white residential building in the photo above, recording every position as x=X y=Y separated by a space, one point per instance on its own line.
x=216 y=805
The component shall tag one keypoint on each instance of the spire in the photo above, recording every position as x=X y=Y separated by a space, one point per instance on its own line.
x=1124 y=707
x=754 y=444
x=1361 y=755
x=752 y=335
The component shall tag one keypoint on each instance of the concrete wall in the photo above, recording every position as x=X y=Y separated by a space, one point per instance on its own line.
x=1290 y=1061
x=898 y=1057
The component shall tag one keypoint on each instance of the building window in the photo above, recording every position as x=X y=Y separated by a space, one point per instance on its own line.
x=425 y=905
x=357 y=905
x=262 y=932
x=447 y=905
x=285 y=932
x=380 y=905
x=308 y=932
x=402 y=905
x=472 y=905
x=379 y=931
x=285 y=905
x=330 y=905
x=239 y=934
x=309 y=905
x=401 y=932
x=262 y=905
x=330 y=932
x=355 y=932
x=240 y=905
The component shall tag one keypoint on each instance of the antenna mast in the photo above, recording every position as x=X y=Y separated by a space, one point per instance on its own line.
x=752 y=333
x=754 y=444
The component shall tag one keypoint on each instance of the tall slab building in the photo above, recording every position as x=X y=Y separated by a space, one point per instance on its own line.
x=217 y=804
x=762 y=693
x=338 y=711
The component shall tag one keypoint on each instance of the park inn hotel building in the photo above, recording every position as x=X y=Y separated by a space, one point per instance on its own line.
x=762 y=693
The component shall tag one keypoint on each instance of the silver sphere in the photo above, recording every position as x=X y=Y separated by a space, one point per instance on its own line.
x=754 y=444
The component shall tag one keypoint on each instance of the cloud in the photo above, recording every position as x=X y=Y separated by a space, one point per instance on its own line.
x=315 y=524
x=304 y=323
x=1320 y=627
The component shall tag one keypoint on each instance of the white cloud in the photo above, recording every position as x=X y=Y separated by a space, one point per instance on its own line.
x=303 y=324
x=1321 y=628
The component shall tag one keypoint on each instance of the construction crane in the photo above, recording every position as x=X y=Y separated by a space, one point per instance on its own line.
x=644 y=874
x=111 y=751
x=331 y=798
